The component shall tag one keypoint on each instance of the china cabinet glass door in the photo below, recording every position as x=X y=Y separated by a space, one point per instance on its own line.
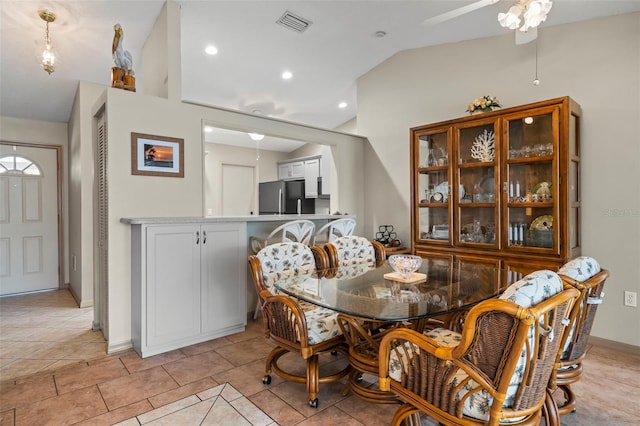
x=433 y=191
x=531 y=181
x=477 y=194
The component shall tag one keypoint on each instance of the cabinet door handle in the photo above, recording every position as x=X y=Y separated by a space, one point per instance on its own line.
x=505 y=187
x=204 y=237
x=197 y=237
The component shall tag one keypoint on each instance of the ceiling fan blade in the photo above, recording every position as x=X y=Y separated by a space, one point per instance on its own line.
x=523 y=37
x=438 y=19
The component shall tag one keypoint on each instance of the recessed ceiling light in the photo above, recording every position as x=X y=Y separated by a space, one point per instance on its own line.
x=286 y=75
x=342 y=105
x=211 y=50
x=528 y=120
x=208 y=129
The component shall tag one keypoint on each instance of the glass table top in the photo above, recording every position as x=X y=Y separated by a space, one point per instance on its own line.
x=370 y=292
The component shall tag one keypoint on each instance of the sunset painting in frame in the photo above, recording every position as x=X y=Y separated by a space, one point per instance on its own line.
x=157 y=155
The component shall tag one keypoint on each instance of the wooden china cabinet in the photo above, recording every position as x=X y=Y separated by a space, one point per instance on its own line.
x=500 y=188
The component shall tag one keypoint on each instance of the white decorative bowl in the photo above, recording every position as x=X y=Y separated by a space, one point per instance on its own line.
x=405 y=264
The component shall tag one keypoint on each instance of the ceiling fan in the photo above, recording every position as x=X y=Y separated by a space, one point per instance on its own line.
x=532 y=11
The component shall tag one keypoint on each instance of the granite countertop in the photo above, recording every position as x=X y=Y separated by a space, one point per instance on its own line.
x=219 y=219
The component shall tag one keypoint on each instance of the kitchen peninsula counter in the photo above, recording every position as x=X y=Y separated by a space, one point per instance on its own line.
x=189 y=280
x=217 y=219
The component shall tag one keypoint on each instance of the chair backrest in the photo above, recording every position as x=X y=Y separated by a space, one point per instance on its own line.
x=335 y=229
x=585 y=274
x=541 y=293
x=353 y=250
x=300 y=231
x=547 y=303
x=284 y=260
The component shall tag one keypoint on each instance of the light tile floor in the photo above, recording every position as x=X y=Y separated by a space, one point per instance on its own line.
x=54 y=371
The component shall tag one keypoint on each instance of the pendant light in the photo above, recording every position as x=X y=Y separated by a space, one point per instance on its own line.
x=48 y=57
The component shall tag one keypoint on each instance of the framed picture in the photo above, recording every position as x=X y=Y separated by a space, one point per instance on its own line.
x=156 y=155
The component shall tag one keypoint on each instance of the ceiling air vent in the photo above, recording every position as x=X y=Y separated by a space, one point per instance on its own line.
x=293 y=22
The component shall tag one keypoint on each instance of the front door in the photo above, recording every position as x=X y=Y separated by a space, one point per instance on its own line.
x=29 y=244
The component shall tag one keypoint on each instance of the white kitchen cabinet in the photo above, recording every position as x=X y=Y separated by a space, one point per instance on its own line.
x=291 y=170
x=326 y=163
x=188 y=284
x=311 y=175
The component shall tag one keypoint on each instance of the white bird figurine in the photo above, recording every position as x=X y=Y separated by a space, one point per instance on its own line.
x=121 y=57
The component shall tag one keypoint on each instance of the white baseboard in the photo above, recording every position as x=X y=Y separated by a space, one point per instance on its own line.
x=118 y=347
x=81 y=303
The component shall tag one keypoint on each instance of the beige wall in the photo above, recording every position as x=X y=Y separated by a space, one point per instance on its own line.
x=157 y=75
x=597 y=63
x=81 y=200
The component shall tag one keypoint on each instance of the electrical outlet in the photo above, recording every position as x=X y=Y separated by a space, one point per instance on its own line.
x=631 y=298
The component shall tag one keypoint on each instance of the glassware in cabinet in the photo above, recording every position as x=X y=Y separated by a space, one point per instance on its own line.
x=530 y=185
x=433 y=150
x=434 y=205
x=532 y=135
x=434 y=224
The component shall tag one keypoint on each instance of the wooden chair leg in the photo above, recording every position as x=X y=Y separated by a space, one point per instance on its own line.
x=405 y=415
x=550 y=410
x=258 y=308
x=313 y=380
x=569 y=405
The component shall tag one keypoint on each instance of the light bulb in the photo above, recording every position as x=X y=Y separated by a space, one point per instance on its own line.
x=536 y=82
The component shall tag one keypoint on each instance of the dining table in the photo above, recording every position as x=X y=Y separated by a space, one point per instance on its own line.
x=438 y=287
x=440 y=291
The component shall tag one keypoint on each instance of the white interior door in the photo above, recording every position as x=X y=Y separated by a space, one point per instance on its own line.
x=238 y=190
x=28 y=219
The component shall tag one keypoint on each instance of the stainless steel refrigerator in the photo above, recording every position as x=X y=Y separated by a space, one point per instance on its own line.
x=284 y=197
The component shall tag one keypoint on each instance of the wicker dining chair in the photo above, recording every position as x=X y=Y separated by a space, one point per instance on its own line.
x=300 y=231
x=334 y=229
x=496 y=370
x=295 y=326
x=350 y=256
x=352 y=250
x=585 y=274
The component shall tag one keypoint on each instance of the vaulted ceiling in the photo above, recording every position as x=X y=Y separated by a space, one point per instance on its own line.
x=343 y=40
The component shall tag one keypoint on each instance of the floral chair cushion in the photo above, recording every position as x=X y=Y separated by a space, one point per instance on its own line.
x=322 y=323
x=353 y=250
x=353 y=271
x=527 y=292
x=282 y=260
x=581 y=268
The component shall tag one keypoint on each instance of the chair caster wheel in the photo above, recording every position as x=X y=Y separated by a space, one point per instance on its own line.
x=266 y=379
x=313 y=403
